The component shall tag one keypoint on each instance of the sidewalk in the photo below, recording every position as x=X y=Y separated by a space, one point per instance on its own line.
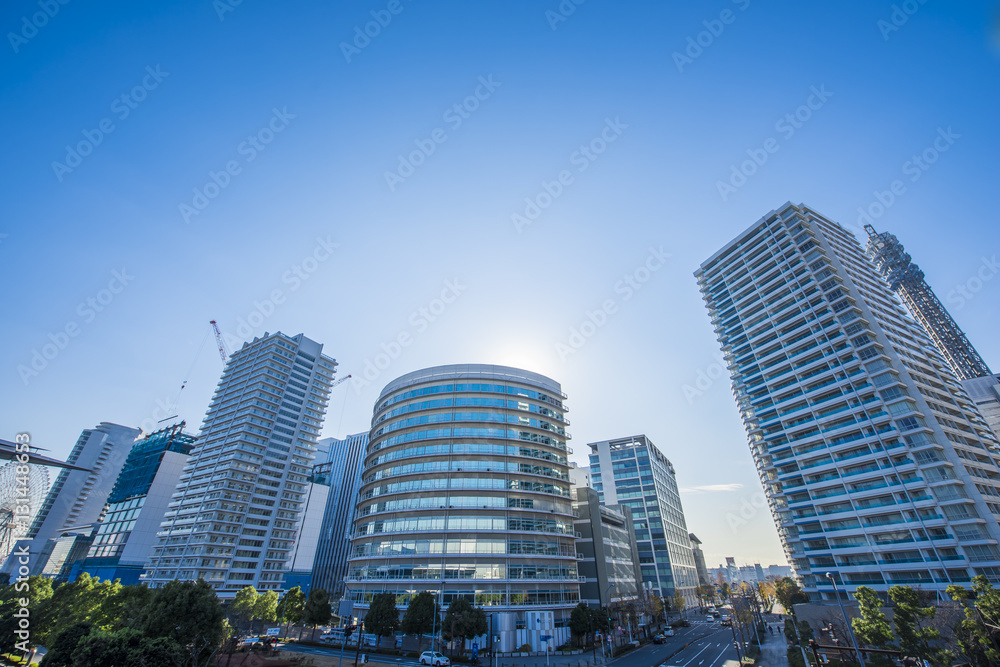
x=773 y=652
x=555 y=660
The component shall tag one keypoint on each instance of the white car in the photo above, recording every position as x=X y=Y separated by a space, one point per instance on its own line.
x=710 y=618
x=434 y=659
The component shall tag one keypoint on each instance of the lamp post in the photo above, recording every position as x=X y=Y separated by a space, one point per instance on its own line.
x=854 y=641
x=611 y=630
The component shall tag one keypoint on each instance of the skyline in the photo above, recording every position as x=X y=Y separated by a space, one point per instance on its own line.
x=310 y=234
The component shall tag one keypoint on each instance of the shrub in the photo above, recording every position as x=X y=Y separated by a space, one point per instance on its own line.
x=525 y=648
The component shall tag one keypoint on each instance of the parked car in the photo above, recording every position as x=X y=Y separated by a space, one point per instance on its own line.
x=659 y=639
x=434 y=659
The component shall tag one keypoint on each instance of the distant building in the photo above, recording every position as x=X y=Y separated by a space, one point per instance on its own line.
x=633 y=472
x=779 y=571
x=309 y=536
x=342 y=469
x=609 y=567
x=699 y=560
x=76 y=499
x=126 y=534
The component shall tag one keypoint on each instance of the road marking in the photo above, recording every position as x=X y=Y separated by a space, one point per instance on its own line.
x=695 y=656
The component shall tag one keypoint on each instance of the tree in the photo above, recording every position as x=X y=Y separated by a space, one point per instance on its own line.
x=190 y=614
x=124 y=608
x=977 y=640
x=266 y=607
x=37 y=591
x=244 y=604
x=419 y=617
x=787 y=592
x=725 y=591
x=292 y=606
x=74 y=602
x=382 y=618
x=127 y=648
x=914 y=635
x=580 y=620
x=60 y=653
x=463 y=621
x=871 y=628
x=317 y=609
x=679 y=603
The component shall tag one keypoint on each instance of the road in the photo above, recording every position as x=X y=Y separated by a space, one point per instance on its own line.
x=701 y=645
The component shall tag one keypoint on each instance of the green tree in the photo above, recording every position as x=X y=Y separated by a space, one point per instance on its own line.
x=124 y=607
x=976 y=634
x=60 y=653
x=74 y=602
x=266 y=607
x=190 y=614
x=871 y=628
x=462 y=621
x=916 y=638
x=580 y=620
x=292 y=606
x=787 y=592
x=317 y=609
x=725 y=591
x=127 y=648
x=419 y=617
x=244 y=605
x=36 y=590
x=382 y=618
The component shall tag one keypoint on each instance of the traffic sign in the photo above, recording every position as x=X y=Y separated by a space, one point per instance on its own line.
x=546 y=638
x=273 y=632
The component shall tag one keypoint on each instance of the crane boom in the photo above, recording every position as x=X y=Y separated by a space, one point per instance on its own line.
x=221 y=343
x=340 y=381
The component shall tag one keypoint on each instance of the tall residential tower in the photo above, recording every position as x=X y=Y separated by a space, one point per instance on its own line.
x=876 y=464
x=235 y=515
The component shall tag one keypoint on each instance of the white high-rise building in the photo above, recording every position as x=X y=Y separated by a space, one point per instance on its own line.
x=876 y=463
x=76 y=499
x=235 y=516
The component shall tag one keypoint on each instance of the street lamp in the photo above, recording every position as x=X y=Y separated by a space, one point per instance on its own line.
x=539 y=621
x=854 y=641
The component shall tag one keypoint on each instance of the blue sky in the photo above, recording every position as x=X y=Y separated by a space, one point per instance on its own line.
x=243 y=178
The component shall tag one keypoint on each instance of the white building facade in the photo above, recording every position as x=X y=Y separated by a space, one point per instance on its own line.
x=876 y=464
x=237 y=511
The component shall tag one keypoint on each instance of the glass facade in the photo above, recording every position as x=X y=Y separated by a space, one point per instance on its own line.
x=634 y=473
x=465 y=492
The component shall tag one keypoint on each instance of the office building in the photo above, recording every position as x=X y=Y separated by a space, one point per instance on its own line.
x=342 y=471
x=906 y=279
x=466 y=493
x=309 y=536
x=76 y=499
x=635 y=473
x=239 y=504
x=699 y=560
x=126 y=534
x=608 y=555
x=877 y=465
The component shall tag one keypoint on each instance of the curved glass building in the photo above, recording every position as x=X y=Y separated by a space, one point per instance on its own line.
x=465 y=492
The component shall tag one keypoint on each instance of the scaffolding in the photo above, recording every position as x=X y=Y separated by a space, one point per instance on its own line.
x=907 y=280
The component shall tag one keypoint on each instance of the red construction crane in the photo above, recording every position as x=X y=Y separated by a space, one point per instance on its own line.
x=221 y=343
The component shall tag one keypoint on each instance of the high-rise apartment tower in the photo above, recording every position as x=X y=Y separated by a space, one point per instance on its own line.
x=239 y=503
x=876 y=464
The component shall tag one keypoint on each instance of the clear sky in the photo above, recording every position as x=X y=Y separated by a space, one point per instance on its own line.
x=477 y=180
